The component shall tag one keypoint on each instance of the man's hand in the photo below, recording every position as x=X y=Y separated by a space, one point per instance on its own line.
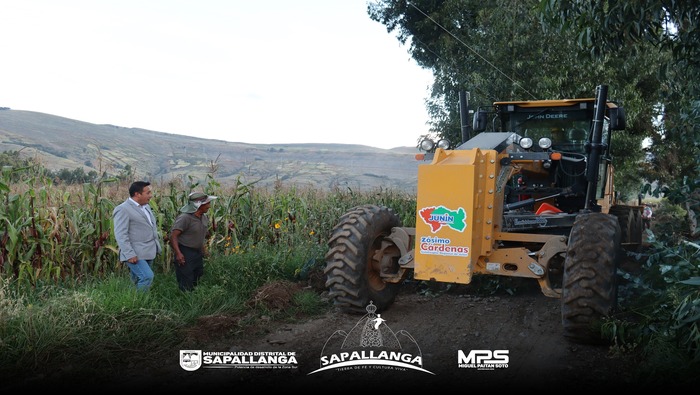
x=180 y=258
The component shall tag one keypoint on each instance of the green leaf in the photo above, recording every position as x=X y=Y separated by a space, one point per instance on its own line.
x=691 y=281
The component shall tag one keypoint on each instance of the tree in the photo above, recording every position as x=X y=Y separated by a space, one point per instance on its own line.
x=126 y=174
x=667 y=29
x=499 y=50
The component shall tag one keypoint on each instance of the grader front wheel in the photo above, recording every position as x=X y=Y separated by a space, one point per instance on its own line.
x=353 y=267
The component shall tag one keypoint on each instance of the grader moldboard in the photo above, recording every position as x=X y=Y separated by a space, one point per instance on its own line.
x=531 y=198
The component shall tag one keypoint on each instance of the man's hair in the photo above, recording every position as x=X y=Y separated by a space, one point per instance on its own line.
x=137 y=187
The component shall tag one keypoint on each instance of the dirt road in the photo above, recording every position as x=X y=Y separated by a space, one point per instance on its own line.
x=527 y=326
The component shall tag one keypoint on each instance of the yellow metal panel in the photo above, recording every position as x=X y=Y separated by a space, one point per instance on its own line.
x=508 y=262
x=451 y=214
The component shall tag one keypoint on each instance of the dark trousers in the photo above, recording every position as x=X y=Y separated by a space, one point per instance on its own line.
x=188 y=274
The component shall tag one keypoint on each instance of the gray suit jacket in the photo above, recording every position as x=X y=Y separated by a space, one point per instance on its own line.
x=135 y=236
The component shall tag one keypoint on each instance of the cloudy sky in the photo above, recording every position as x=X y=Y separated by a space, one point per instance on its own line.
x=264 y=71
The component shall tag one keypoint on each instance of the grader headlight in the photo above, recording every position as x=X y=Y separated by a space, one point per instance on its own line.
x=443 y=143
x=427 y=145
x=525 y=142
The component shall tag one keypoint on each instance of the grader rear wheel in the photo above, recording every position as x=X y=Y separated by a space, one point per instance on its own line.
x=589 y=290
x=630 y=220
x=638 y=227
x=353 y=259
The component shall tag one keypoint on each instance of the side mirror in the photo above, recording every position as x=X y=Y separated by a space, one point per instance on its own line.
x=480 y=120
x=617 y=118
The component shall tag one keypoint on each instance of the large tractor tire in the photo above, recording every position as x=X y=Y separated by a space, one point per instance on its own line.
x=638 y=227
x=352 y=269
x=630 y=221
x=589 y=289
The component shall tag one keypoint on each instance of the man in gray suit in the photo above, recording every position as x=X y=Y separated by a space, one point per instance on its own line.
x=137 y=234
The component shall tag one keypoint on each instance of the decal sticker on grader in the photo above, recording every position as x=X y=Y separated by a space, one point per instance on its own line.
x=441 y=246
x=437 y=217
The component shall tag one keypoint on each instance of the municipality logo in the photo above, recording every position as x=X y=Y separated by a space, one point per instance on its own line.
x=371 y=344
x=194 y=359
x=190 y=360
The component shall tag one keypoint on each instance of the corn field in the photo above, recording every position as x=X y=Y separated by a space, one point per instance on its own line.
x=62 y=234
x=52 y=232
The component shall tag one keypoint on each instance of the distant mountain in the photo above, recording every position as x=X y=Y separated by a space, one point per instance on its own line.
x=157 y=156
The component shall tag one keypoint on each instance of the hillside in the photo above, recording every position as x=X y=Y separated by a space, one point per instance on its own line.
x=157 y=156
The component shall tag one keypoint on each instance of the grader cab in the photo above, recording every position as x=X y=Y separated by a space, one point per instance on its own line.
x=532 y=197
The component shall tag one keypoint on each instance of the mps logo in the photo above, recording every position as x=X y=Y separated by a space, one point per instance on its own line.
x=483 y=359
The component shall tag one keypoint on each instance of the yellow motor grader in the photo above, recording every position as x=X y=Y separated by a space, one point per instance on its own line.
x=532 y=197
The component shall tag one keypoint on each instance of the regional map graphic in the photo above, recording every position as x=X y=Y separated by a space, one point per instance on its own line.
x=437 y=217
